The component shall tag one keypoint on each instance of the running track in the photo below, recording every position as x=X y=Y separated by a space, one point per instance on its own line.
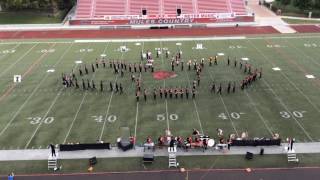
x=236 y=174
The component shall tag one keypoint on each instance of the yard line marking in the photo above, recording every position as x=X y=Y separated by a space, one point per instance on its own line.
x=252 y=102
x=19 y=59
x=22 y=106
x=107 y=113
x=110 y=99
x=136 y=123
x=287 y=109
x=286 y=77
x=81 y=103
x=302 y=52
x=195 y=106
x=137 y=109
x=259 y=114
x=225 y=108
x=13 y=85
x=4 y=55
x=164 y=86
x=52 y=103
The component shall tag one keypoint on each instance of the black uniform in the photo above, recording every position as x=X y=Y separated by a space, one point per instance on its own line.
x=101 y=86
x=83 y=85
x=111 y=86
x=88 y=82
x=92 y=67
x=121 y=88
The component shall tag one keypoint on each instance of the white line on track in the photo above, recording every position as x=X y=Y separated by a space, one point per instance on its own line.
x=163 y=39
x=287 y=78
x=19 y=59
x=27 y=100
x=109 y=104
x=52 y=103
x=82 y=101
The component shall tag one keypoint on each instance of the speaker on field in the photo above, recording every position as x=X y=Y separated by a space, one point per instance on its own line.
x=178 y=12
x=249 y=155
x=144 y=12
x=261 y=151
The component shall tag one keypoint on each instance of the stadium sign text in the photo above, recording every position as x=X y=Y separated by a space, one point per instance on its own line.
x=162 y=21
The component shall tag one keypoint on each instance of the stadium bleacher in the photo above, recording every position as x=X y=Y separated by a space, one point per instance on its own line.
x=94 y=9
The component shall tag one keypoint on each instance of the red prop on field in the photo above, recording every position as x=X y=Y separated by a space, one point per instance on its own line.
x=161 y=75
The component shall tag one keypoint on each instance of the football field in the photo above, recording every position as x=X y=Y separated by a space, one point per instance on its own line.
x=40 y=110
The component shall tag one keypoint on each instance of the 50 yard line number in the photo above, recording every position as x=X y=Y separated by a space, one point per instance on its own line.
x=172 y=117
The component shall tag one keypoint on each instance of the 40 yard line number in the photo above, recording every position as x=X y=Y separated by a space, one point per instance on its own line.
x=233 y=115
x=101 y=119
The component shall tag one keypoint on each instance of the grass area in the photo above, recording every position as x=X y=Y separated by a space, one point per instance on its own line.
x=135 y=164
x=27 y=18
x=300 y=21
x=40 y=111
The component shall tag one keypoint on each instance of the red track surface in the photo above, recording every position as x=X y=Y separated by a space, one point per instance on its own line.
x=306 y=28
x=218 y=31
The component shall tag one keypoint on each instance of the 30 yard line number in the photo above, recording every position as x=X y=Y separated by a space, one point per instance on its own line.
x=101 y=119
x=38 y=120
x=287 y=115
x=172 y=117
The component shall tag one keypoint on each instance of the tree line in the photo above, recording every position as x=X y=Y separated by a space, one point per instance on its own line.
x=54 y=5
x=302 y=4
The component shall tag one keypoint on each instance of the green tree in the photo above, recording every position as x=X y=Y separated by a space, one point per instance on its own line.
x=285 y=2
x=303 y=4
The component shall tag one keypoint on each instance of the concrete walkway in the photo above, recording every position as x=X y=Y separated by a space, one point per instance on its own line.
x=265 y=17
x=43 y=154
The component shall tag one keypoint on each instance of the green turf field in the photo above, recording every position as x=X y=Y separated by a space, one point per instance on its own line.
x=40 y=110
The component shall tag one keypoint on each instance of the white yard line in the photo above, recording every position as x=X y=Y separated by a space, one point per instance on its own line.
x=302 y=52
x=287 y=109
x=136 y=123
x=195 y=106
x=27 y=100
x=81 y=103
x=259 y=114
x=75 y=116
x=52 y=103
x=164 y=86
x=4 y=55
x=109 y=104
x=225 y=108
x=21 y=57
x=137 y=109
x=278 y=98
x=107 y=112
x=252 y=102
x=287 y=78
